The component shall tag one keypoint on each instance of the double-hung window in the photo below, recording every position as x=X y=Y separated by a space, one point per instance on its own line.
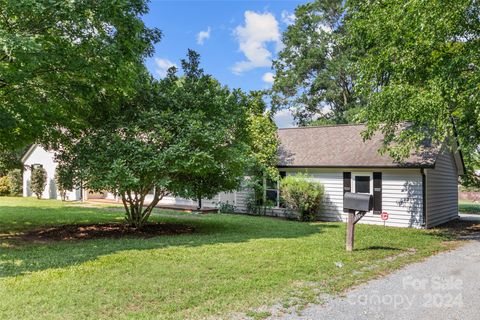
x=272 y=191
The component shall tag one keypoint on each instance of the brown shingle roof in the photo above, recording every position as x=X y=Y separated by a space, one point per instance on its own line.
x=341 y=146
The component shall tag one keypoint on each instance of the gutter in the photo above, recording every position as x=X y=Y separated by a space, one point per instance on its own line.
x=431 y=166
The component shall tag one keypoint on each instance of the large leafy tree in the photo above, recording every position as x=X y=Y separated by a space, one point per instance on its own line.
x=65 y=64
x=262 y=132
x=313 y=75
x=125 y=155
x=418 y=63
x=184 y=135
x=209 y=125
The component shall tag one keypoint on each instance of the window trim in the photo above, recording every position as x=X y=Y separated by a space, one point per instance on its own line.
x=282 y=174
x=362 y=174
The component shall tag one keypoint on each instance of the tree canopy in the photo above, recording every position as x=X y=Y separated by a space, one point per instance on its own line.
x=417 y=62
x=124 y=156
x=64 y=65
x=210 y=126
x=184 y=135
x=407 y=68
x=313 y=74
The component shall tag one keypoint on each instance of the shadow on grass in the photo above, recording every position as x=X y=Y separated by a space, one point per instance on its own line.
x=460 y=229
x=379 y=248
x=18 y=258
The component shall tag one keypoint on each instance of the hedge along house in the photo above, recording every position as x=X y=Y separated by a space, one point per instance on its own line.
x=420 y=192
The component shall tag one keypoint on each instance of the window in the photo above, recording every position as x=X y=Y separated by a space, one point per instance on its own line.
x=272 y=191
x=37 y=166
x=362 y=184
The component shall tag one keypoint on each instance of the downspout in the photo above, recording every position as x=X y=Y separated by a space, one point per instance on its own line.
x=424 y=198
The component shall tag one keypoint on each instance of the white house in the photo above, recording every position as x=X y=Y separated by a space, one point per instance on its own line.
x=420 y=192
x=38 y=156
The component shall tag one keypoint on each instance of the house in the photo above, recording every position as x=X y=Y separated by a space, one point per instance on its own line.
x=420 y=192
x=37 y=156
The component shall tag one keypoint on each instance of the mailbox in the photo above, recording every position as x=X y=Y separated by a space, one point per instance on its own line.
x=358 y=201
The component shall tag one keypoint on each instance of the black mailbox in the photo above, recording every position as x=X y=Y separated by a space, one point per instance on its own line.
x=358 y=201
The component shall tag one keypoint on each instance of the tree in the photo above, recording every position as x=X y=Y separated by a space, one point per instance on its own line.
x=10 y=159
x=262 y=132
x=64 y=180
x=65 y=64
x=5 y=186
x=185 y=136
x=38 y=181
x=16 y=181
x=209 y=124
x=313 y=74
x=125 y=156
x=418 y=69
x=303 y=195
x=264 y=145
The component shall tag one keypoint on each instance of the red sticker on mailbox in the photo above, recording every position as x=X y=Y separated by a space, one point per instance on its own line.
x=384 y=215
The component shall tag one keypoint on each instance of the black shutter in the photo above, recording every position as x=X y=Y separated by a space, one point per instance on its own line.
x=347 y=184
x=377 y=193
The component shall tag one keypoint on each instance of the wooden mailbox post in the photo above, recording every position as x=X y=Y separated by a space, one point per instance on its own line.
x=355 y=202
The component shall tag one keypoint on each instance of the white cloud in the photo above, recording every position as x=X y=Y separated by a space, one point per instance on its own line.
x=203 y=35
x=259 y=29
x=288 y=18
x=284 y=119
x=268 y=77
x=162 y=66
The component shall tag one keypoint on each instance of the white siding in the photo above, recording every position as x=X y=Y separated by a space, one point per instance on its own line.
x=442 y=190
x=401 y=197
x=38 y=155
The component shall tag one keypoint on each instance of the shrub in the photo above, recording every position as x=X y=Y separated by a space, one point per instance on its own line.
x=64 y=181
x=16 y=182
x=225 y=207
x=302 y=195
x=5 y=186
x=38 y=181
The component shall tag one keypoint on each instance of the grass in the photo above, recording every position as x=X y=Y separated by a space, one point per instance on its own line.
x=232 y=264
x=465 y=206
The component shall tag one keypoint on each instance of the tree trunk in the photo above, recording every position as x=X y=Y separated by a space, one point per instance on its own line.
x=135 y=213
x=199 y=207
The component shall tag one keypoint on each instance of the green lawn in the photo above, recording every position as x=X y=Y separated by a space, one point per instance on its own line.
x=469 y=207
x=233 y=263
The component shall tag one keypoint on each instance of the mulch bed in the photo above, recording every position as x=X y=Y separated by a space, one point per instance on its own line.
x=102 y=231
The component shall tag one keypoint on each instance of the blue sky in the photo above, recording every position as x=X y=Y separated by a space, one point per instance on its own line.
x=236 y=39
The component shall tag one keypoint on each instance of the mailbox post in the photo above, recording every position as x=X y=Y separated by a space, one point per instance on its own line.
x=355 y=202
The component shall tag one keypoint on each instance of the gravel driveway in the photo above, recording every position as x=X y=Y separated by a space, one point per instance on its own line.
x=445 y=286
